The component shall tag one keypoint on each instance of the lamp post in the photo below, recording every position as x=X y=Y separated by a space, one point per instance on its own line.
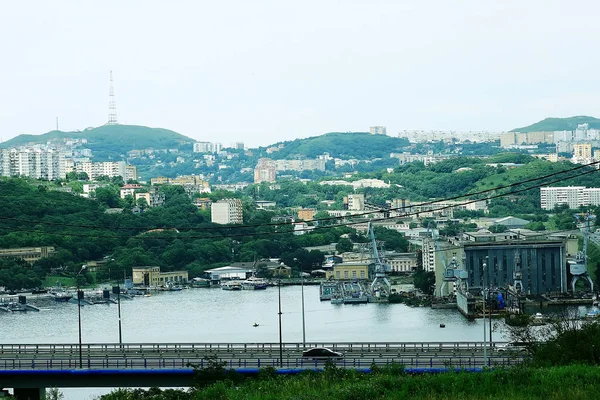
x=303 y=319
x=79 y=297
x=280 y=334
x=485 y=359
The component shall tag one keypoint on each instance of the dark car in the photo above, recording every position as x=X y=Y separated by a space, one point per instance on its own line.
x=321 y=353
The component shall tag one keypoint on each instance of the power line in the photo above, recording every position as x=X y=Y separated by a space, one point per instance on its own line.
x=312 y=229
x=212 y=228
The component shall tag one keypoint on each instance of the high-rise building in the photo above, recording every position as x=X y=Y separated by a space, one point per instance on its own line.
x=47 y=164
x=227 y=211
x=378 y=130
x=582 y=150
x=265 y=171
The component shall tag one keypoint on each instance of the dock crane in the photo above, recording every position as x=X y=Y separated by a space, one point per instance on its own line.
x=380 y=283
x=450 y=269
x=578 y=267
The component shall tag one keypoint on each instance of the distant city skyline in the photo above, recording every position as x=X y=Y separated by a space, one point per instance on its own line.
x=267 y=71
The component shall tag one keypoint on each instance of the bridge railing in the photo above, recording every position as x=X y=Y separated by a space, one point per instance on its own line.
x=148 y=348
x=460 y=361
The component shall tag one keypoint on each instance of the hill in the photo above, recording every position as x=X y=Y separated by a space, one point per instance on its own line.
x=360 y=145
x=560 y=124
x=110 y=141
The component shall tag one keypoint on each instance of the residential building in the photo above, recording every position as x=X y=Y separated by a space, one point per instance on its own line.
x=37 y=163
x=227 y=211
x=306 y=214
x=300 y=165
x=203 y=203
x=129 y=189
x=377 y=130
x=29 y=254
x=130 y=173
x=572 y=196
x=203 y=147
x=152 y=277
x=153 y=197
x=97 y=169
x=265 y=171
x=355 y=202
x=582 y=150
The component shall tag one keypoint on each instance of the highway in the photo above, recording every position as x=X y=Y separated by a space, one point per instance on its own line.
x=246 y=355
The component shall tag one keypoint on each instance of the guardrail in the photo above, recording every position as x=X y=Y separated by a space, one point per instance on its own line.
x=189 y=363
x=238 y=347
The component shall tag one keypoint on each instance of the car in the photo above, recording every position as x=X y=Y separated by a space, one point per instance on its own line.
x=321 y=353
x=511 y=347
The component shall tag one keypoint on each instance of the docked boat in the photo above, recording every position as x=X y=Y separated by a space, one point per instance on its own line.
x=254 y=283
x=61 y=296
x=231 y=285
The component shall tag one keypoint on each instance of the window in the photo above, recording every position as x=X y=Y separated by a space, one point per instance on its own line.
x=362 y=274
x=337 y=274
x=353 y=274
x=345 y=274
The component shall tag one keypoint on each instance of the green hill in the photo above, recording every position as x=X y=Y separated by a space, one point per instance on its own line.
x=560 y=124
x=358 y=145
x=110 y=141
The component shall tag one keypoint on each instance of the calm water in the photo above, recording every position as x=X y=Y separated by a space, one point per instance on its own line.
x=214 y=315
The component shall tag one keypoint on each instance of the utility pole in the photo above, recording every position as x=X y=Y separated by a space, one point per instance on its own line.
x=280 y=333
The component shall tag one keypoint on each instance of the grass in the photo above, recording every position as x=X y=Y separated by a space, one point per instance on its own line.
x=51 y=281
x=570 y=382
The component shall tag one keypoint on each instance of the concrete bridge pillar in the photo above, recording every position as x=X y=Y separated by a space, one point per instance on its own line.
x=30 y=393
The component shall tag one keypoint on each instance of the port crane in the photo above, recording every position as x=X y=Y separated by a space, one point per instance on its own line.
x=578 y=268
x=380 y=285
x=450 y=269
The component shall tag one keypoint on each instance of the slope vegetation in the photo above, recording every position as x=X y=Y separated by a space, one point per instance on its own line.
x=560 y=124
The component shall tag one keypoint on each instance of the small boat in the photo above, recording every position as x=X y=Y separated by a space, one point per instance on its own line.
x=231 y=285
x=255 y=325
x=254 y=283
x=62 y=296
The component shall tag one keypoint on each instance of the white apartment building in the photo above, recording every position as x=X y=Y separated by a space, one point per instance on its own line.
x=572 y=196
x=207 y=147
x=356 y=202
x=378 y=130
x=97 y=169
x=47 y=164
x=227 y=211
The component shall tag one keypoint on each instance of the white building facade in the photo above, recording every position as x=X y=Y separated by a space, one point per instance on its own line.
x=227 y=211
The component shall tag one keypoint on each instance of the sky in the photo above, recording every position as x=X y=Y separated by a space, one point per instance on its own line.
x=261 y=72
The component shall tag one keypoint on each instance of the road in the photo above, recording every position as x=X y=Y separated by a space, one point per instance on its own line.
x=247 y=355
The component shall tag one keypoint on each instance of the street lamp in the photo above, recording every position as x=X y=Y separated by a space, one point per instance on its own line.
x=79 y=297
x=117 y=291
x=485 y=359
x=303 y=319
x=280 y=334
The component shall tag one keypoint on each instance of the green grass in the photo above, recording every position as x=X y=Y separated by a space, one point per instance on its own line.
x=571 y=382
x=51 y=280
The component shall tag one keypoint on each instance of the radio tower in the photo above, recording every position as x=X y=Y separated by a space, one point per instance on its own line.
x=112 y=106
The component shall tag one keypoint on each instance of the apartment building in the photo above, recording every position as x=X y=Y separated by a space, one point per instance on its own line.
x=46 y=164
x=107 y=168
x=265 y=171
x=227 y=211
x=153 y=197
x=378 y=130
x=572 y=196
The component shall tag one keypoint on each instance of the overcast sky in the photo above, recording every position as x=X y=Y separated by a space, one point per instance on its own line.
x=266 y=71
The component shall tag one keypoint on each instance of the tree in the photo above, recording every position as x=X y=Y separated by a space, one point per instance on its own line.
x=424 y=281
x=497 y=228
x=343 y=245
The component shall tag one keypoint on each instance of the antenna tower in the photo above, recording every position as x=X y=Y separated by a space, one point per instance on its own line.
x=112 y=106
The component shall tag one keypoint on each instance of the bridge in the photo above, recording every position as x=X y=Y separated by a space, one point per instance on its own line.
x=28 y=368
